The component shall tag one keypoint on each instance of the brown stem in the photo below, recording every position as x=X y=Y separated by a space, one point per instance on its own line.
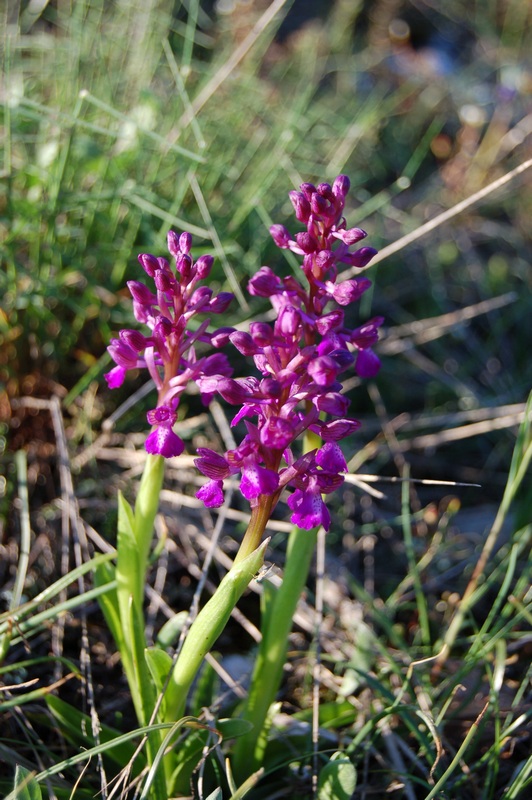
x=260 y=515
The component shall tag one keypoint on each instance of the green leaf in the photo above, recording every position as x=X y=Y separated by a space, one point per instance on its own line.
x=216 y=795
x=159 y=664
x=25 y=785
x=231 y=728
x=105 y=574
x=128 y=573
x=338 y=779
x=171 y=630
x=77 y=726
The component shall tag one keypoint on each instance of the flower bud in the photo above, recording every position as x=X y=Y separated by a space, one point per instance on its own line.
x=342 y=358
x=185 y=242
x=301 y=206
x=133 y=339
x=148 y=263
x=325 y=259
x=366 y=334
x=183 y=265
x=280 y=236
x=330 y=458
x=329 y=322
x=199 y=298
x=172 y=241
x=220 y=303
x=277 y=433
x=338 y=429
x=341 y=186
x=203 y=266
x=332 y=403
x=232 y=391
x=261 y=333
x=264 y=283
x=308 y=189
x=319 y=205
x=220 y=337
x=162 y=327
x=217 y=364
x=323 y=370
x=325 y=190
x=351 y=235
x=211 y=464
x=141 y=312
x=243 y=343
x=271 y=388
x=123 y=355
x=141 y=293
x=288 y=321
x=164 y=281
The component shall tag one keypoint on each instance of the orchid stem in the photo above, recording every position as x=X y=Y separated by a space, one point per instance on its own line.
x=268 y=671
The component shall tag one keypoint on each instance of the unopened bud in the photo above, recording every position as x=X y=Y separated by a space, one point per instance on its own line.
x=221 y=302
x=148 y=263
x=308 y=189
x=185 y=242
x=341 y=186
x=141 y=293
x=325 y=190
x=203 y=266
x=301 y=206
x=280 y=236
x=172 y=240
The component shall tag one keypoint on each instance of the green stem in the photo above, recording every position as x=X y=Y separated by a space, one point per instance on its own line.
x=206 y=629
x=267 y=674
x=134 y=542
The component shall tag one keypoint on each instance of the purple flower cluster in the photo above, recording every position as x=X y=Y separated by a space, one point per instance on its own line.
x=168 y=352
x=299 y=358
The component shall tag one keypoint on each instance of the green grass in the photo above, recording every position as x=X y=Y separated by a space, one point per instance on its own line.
x=122 y=120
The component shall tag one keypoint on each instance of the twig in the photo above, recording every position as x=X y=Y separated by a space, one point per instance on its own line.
x=232 y=62
x=434 y=223
x=427 y=330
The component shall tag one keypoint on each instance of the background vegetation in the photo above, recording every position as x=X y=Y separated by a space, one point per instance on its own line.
x=122 y=120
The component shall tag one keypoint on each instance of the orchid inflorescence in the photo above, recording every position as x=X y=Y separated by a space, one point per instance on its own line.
x=169 y=353
x=299 y=358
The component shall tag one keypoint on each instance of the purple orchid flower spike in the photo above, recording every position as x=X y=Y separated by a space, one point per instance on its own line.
x=300 y=359
x=169 y=352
